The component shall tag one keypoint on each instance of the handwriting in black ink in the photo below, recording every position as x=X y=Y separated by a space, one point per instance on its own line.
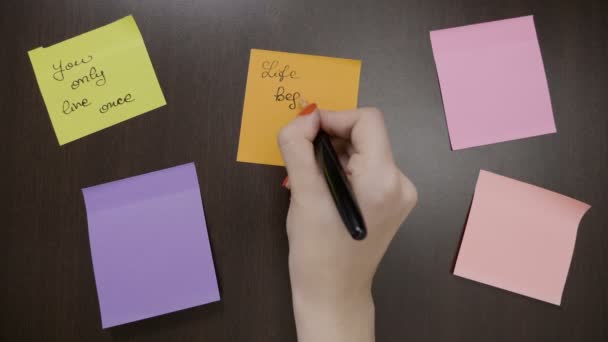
x=58 y=74
x=271 y=71
x=119 y=101
x=282 y=96
x=70 y=107
x=93 y=75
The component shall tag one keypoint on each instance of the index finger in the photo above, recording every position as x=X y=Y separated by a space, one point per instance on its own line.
x=364 y=127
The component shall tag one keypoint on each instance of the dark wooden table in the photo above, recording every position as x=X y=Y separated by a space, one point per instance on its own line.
x=200 y=49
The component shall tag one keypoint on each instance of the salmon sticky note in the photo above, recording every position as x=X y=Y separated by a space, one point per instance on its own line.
x=493 y=82
x=276 y=82
x=96 y=80
x=519 y=237
x=149 y=244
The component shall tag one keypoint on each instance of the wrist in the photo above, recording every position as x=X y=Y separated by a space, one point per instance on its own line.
x=346 y=317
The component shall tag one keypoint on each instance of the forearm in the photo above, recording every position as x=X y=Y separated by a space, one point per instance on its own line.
x=335 y=320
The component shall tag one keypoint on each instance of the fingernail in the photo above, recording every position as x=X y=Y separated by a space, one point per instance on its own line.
x=308 y=109
x=285 y=183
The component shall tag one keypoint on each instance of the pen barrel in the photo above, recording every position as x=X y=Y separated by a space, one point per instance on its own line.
x=339 y=186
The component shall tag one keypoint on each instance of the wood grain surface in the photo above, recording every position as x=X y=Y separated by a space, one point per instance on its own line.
x=200 y=49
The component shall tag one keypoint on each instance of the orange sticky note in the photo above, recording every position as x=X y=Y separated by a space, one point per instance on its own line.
x=519 y=237
x=276 y=82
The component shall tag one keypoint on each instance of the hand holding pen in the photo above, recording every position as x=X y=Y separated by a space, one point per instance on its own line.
x=329 y=269
x=336 y=180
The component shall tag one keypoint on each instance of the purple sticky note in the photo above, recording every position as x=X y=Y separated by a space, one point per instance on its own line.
x=493 y=82
x=149 y=243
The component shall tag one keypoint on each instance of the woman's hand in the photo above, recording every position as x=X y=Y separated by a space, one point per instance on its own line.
x=331 y=274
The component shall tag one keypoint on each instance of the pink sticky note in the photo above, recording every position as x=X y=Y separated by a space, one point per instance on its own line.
x=492 y=82
x=519 y=237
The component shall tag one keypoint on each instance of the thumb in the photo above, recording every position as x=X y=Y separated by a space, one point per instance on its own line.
x=296 y=145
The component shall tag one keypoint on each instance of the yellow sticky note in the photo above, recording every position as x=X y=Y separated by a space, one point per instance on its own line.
x=276 y=82
x=96 y=80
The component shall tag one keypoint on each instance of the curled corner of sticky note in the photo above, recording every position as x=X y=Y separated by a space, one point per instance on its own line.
x=35 y=50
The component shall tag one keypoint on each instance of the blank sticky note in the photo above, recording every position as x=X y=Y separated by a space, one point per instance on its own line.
x=276 y=82
x=519 y=237
x=149 y=243
x=96 y=80
x=493 y=82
